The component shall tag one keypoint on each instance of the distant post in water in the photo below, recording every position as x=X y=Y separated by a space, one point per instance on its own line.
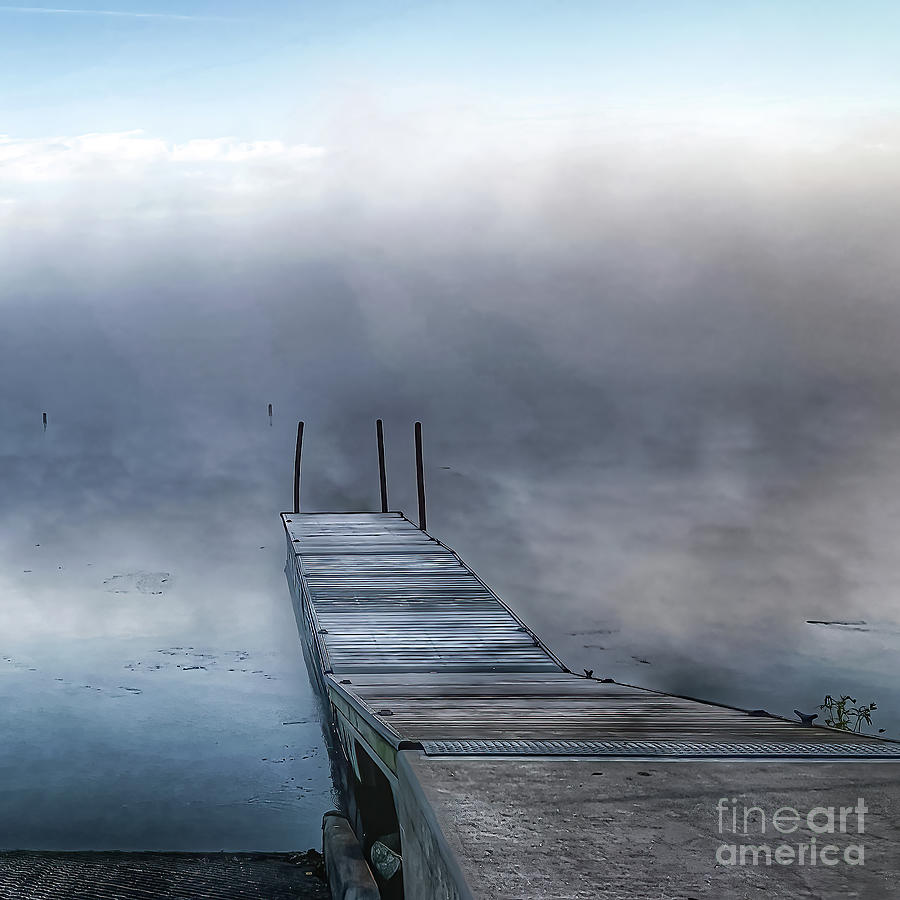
x=270 y=414
x=297 y=456
x=420 y=476
x=45 y=421
x=382 y=474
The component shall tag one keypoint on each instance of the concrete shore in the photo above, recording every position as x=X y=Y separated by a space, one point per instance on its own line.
x=29 y=875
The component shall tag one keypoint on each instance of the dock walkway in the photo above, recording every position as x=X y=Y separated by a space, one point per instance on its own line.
x=494 y=752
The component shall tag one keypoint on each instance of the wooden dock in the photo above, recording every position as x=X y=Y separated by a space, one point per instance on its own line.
x=446 y=710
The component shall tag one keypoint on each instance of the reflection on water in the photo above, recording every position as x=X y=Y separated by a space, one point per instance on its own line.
x=151 y=681
x=121 y=744
x=672 y=583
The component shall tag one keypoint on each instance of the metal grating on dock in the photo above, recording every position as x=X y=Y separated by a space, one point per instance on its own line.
x=693 y=749
x=416 y=651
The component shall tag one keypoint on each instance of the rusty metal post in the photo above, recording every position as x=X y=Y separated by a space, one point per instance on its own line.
x=297 y=456
x=420 y=476
x=382 y=474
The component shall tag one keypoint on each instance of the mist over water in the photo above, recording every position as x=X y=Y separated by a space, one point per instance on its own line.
x=659 y=386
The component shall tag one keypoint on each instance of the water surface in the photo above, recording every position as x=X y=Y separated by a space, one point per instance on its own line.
x=152 y=686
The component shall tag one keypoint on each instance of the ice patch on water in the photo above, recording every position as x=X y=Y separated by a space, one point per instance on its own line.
x=141 y=582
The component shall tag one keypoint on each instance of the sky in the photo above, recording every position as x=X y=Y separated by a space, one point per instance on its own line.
x=633 y=265
x=276 y=70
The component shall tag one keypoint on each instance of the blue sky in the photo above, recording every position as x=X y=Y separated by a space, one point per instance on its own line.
x=276 y=70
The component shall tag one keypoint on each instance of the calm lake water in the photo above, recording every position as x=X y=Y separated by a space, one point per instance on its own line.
x=747 y=588
x=152 y=685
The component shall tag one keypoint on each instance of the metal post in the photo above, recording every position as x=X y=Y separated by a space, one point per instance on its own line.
x=420 y=475
x=297 y=456
x=382 y=475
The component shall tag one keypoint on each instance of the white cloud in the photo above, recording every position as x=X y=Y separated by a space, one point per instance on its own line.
x=230 y=150
x=131 y=153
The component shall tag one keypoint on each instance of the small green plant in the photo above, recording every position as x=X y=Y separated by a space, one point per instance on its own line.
x=846 y=714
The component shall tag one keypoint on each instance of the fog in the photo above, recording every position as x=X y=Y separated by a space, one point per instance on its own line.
x=656 y=368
